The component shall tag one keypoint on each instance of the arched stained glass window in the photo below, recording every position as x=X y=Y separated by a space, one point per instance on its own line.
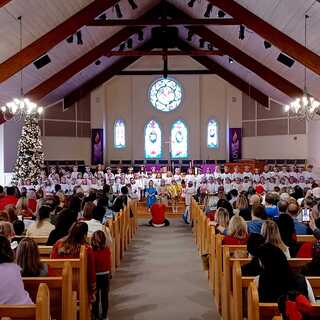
x=179 y=140
x=212 y=134
x=119 y=134
x=152 y=140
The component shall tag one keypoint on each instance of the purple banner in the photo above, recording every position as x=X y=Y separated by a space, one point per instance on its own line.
x=96 y=146
x=235 y=139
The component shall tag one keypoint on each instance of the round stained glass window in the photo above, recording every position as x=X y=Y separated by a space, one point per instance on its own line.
x=165 y=94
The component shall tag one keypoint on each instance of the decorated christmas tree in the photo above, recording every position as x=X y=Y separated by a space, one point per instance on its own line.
x=30 y=158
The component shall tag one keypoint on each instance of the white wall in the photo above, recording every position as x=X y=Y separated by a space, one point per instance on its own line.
x=67 y=148
x=313 y=130
x=275 y=147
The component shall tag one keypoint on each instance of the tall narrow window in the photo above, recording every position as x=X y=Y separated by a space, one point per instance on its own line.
x=152 y=140
x=212 y=134
x=179 y=140
x=119 y=134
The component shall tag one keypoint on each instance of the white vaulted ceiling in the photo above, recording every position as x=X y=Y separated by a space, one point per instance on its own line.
x=41 y=16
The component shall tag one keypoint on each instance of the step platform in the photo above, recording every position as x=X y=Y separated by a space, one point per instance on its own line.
x=143 y=212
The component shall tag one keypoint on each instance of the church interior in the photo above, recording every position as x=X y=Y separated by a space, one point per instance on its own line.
x=159 y=159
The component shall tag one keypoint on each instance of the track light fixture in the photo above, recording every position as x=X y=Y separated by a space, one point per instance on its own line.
x=103 y=17
x=140 y=35
x=70 y=39
x=191 y=3
x=210 y=46
x=122 y=47
x=118 y=11
x=221 y=14
x=190 y=35
x=129 y=43
x=241 y=32
x=201 y=43
x=231 y=60
x=133 y=4
x=79 y=37
x=267 y=44
x=98 y=62
x=209 y=10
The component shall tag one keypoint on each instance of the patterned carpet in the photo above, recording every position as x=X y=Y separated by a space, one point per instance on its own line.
x=161 y=277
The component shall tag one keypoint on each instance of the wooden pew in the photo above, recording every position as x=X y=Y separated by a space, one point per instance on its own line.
x=38 y=311
x=240 y=284
x=265 y=311
x=79 y=279
x=60 y=288
x=45 y=251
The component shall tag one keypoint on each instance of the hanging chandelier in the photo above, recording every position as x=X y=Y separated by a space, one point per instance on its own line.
x=307 y=106
x=20 y=107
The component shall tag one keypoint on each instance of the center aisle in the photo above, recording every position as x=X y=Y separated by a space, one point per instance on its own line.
x=161 y=277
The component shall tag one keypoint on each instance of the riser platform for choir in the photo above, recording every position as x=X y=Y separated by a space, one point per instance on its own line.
x=143 y=212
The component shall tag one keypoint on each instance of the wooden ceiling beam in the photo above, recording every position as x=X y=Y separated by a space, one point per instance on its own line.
x=67 y=72
x=250 y=63
x=42 y=45
x=160 y=72
x=4 y=2
x=227 y=75
x=162 y=22
x=279 y=39
x=102 y=77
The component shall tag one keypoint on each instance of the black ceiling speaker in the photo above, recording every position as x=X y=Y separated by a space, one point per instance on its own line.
x=129 y=43
x=287 y=61
x=165 y=37
x=118 y=11
x=201 y=43
x=221 y=14
x=133 y=4
x=41 y=62
x=140 y=35
x=70 y=39
x=191 y=3
x=209 y=10
x=267 y=44
x=190 y=35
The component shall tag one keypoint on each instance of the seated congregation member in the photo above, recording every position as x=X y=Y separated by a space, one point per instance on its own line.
x=102 y=261
x=12 y=289
x=28 y=258
x=158 y=215
x=271 y=209
x=270 y=232
x=150 y=194
x=6 y=230
x=236 y=233
x=277 y=278
x=4 y=216
x=253 y=268
x=282 y=206
x=32 y=200
x=301 y=228
x=87 y=211
x=65 y=220
x=9 y=199
x=42 y=226
x=258 y=216
x=243 y=208
x=221 y=220
x=69 y=248
x=121 y=200
x=225 y=204
x=23 y=209
x=288 y=233
x=312 y=269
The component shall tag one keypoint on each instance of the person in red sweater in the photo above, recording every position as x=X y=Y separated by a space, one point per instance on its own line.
x=158 y=215
x=9 y=199
x=237 y=233
x=69 y=248
x=102 y=259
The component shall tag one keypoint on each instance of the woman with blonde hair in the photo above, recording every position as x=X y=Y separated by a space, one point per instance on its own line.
x=23 y=208
x=221 y=219
x=271 y=233
x=242 y=206
x=237 y=232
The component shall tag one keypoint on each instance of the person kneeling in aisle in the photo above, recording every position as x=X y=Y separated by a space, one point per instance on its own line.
x=158 y=215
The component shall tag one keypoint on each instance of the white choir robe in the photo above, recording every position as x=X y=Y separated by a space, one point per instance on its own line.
x=227 y=187
x=135 y=192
